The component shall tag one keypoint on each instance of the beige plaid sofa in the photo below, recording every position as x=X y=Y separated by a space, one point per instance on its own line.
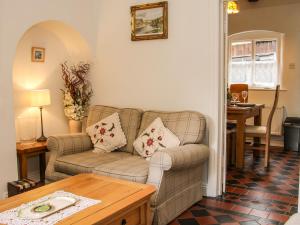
x=176 y=173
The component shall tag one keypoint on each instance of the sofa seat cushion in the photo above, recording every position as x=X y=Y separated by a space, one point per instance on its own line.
x=134 y=168
x=85 y=162
x=256 y=129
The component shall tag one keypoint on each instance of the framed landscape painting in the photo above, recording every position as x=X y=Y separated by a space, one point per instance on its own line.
x=149 y=21
x=37 y=54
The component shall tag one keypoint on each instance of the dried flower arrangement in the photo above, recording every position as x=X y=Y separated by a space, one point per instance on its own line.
x=78 y=90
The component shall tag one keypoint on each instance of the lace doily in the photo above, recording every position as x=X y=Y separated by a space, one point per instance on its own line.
x=10 y=217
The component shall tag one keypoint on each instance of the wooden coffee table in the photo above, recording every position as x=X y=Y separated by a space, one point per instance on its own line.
x=123 y=202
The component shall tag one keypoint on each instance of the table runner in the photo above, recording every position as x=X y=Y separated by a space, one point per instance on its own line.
x=10 y=217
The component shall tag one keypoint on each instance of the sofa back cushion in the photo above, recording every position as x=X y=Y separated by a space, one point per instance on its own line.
x=130 y=121
x=188 y=126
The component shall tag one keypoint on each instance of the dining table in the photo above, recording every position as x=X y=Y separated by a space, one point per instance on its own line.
x=240 y=114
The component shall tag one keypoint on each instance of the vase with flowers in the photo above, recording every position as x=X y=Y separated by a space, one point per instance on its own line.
x=76 y=94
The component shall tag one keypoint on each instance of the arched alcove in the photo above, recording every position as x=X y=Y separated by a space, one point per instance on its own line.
x=62 y=43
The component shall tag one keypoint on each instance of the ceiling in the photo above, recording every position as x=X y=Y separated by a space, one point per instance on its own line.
x=244 y=4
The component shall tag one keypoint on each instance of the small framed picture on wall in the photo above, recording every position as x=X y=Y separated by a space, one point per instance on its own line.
x=37 y=54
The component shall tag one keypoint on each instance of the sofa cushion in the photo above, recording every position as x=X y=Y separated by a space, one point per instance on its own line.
x=130 y=121
x=155 y=137
x=107 y=134
x=85 y=162
x=134 y=168
x=188 y=126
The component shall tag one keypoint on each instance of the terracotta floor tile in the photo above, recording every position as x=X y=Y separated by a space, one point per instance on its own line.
x=240 y=191
x=259 y=213
x=207 y=220
x=230 y=189
x=186 y=214
x=230 y=223
x=278 y=217
x=240 y=218
x=254 y=195
x=175 y=222
x=241 y=209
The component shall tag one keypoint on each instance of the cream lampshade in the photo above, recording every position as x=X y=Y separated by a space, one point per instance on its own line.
x=40 y=98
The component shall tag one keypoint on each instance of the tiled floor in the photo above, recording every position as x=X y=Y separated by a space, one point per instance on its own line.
x=254 y=195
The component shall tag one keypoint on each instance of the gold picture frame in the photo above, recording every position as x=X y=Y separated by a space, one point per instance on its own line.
x=149 y=21
x=37 y=54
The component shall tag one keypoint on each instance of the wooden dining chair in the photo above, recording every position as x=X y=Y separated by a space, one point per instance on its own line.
x=264 y=131
x=238 y=88
x=230 y=144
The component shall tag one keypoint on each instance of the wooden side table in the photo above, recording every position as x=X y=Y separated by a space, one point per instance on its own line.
x=28 y=150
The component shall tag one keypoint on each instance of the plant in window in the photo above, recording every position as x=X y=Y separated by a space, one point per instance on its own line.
x=78 y=90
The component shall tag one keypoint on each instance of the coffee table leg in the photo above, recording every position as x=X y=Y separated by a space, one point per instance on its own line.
x=240 y=142
x=42 y=158
x=149 y=214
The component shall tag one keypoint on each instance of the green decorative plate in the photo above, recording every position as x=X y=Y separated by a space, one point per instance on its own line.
x=42 y=208
x=46 y=208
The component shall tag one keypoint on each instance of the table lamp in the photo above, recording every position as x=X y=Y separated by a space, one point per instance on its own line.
x=40 y=98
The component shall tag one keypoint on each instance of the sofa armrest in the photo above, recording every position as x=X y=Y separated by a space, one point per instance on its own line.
x=65 y=145
x=181 y=157
x=69 y=143
x=174 y=170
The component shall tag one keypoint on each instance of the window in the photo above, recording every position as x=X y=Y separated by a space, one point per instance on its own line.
x=255 y=62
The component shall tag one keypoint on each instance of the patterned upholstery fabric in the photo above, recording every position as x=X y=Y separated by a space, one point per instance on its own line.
x=64 y=145
x=70 y=144
x=85 y=162
x=179 y=202
x=188 y=126
x=175 y=172
x=178 y=159
x=130 y=121
x=178 y=186
x=134 y=169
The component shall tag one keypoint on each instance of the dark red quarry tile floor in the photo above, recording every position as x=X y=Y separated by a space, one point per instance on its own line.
x=253 y=195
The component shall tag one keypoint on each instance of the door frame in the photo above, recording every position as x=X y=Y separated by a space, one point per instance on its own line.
x=223 y=43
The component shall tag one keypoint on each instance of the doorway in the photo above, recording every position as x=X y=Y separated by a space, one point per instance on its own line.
x=262 y=52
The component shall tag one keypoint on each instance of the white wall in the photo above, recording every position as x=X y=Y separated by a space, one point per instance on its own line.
x=55 y=37
x=29 y=75
x=180 y=73
x=15 y=18
x=284 y=19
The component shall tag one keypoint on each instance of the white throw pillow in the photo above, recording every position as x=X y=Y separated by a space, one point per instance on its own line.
x=155 y=137
x=107 y=134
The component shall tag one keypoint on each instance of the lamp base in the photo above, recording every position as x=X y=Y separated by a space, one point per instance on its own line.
x=41 y=139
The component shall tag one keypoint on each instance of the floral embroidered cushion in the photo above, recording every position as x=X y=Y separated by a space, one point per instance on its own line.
x=155 y=137
x=107 y=134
